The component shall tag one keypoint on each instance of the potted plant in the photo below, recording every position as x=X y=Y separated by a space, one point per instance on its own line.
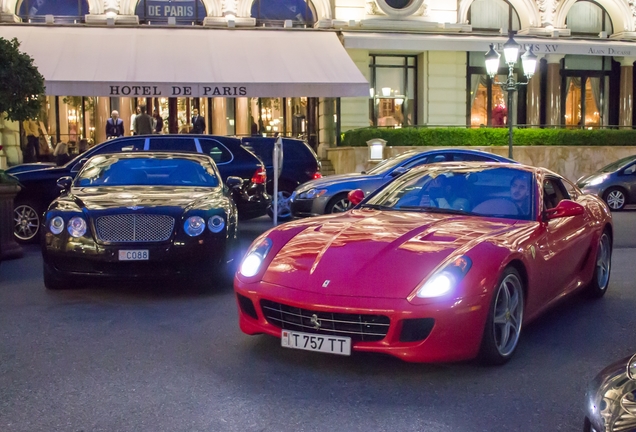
x=9 y=188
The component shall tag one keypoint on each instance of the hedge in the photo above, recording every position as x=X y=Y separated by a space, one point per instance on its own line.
x=455 y=136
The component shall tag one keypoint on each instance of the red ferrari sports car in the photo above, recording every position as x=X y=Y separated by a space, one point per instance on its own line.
x=445 y=263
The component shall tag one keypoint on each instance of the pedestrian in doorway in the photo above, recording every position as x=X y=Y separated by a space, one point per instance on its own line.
x=114 y=126
x=158 y=121
x=61 y=154
x=198 y=123
x=83 y=144
x=33 y=143
x=143 y=122
x=132 y=120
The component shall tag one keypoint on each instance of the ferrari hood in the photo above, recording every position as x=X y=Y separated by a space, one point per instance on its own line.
x=368 y=253
x=106 y=198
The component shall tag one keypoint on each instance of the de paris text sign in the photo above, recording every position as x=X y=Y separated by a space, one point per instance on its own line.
x=135 y=90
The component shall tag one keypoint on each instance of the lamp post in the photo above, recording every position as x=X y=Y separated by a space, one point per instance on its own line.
x=511 y=55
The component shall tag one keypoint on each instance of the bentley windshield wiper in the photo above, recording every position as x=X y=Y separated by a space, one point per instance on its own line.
x=435 y=210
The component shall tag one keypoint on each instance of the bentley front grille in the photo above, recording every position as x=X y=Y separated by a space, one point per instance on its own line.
x=134 y=228
x=367 y=328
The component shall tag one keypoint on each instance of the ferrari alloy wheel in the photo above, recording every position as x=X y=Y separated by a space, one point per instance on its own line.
x=615 y=199
x=602 y=266
x=26 y=222
x=503 y=326
x=284 y=206
x=340 y=203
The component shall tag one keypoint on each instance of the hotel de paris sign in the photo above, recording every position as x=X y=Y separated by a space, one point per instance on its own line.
x=167 y=90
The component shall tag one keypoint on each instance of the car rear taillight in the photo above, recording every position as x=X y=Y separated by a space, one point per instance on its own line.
x=260 y=176
x=317 y=175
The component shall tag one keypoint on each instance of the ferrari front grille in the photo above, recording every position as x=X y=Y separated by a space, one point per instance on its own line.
x=134 y=228
x=367 y=328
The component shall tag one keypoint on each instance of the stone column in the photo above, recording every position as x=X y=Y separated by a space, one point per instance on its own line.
x=553 y=90
x=626 y=101
x=533 y=100
x=243 y=126
x=125 y=113
x=101 y=116
x=326 y=126
x=219 y=122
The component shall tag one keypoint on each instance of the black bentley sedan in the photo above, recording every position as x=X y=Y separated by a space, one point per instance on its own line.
x=39 y=180
x=147 y=215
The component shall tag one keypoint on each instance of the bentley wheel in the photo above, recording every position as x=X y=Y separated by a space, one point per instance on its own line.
x=615 y=199
x=284 y=207
x=602 y=266
x=503 y=326
x=338 y=204
x=26 y=220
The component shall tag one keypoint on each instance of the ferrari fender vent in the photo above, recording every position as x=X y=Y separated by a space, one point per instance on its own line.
x=415 y=330
x=130 y=228
x=247 y=306
x=360 y=328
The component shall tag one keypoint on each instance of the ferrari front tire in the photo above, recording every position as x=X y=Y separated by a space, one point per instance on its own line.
x=602 y=266
x=53 y=281
x=505 y=317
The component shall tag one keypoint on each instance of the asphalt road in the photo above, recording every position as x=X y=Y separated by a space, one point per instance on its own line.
x=171 y=358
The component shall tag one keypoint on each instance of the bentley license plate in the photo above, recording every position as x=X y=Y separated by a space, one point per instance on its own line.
x=134 y=255
x=313 y=342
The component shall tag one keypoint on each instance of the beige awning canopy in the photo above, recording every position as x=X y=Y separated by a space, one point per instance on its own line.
x=196 y=62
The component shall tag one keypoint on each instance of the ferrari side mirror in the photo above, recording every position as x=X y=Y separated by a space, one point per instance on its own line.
x=355 y=197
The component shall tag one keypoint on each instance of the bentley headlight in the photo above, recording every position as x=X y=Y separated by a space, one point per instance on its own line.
x=444 y=280
x=76 y=226
x=216 y=224
x=631 y=368
x=312 y=193
x=56 y=226
x=254 y=258
x=194 y=226
x=597 y=180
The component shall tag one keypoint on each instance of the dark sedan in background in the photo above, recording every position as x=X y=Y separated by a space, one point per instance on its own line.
x=141 y=215
x=615 y=183
x=329 y=194
x=39 y=184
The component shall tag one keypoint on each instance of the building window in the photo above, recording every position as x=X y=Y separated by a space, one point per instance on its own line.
x=493 y=15
x=487 y=103
x=393 y=90
x=586 y=84
x=587 y=18
x=159 y=11
x=63 y=10
x=275 y=12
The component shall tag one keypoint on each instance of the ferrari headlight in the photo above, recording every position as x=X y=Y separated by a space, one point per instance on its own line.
x=216 y=224
x=56 y=226
x=254 y=258
x=312 y=193
x=76 y=226
x=631 y=368
x=194 y=226
x=597 y=180
x=445 y=279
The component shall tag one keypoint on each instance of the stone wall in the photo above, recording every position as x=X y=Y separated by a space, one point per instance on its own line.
x=569 y=161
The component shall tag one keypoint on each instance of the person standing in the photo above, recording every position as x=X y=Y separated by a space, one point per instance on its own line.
x=61 y=154
x=143 y=122
x=158 y=121
x=198 y=123
x=114 y=126
x=132 y=120
x=33 y=143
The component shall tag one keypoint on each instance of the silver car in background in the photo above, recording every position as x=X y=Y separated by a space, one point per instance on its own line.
x=614 y=183
x=611 y=398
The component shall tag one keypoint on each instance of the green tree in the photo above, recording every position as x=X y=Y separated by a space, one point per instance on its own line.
x=21 y=85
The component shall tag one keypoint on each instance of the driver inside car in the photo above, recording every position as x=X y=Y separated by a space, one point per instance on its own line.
x=448 y=193
x=520 y=193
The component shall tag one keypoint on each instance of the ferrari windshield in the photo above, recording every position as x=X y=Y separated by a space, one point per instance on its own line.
x=490 y=192
x=145 y=171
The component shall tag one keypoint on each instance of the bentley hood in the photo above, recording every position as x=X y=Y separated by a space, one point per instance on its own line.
x=368 y=253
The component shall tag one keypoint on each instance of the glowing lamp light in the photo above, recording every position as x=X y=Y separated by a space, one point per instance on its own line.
x=376 y=149
x=386 y=91
x=511 y=51
x=492 y=61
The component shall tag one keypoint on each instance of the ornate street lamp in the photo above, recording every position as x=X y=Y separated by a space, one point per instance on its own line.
x=511 y=55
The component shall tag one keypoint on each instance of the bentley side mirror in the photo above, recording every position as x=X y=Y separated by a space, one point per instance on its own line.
x=565 y=208
x=398 y=172
x=233 y=182
x=355 y=197
x=64 y=183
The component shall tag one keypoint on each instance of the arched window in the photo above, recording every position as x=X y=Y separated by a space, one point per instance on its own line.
x=493 y=15
x=588 y=18
x=159 y=11
x=274 y=12
x=66 y=10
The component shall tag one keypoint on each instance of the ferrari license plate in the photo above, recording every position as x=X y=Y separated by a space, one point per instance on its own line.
x=313 y=342
x=134 y=255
